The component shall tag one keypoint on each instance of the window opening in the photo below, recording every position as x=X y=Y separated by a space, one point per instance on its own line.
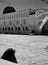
x=18 y=28
x=12 y=28
x=32 y=31
x=26 y=28
x=3 y=29
x=9 y=28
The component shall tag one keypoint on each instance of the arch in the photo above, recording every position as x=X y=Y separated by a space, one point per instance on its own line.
x=45 y=29
x=9 y=55
x=8 y=9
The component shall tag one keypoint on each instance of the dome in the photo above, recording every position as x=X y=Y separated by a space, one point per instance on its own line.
x=8 y=9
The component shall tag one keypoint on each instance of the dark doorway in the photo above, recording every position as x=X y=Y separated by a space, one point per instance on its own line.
x=8 y=9
x=45 y=29
x=9 y=55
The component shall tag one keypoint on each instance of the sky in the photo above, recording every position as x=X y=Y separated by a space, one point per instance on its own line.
x=22 y=4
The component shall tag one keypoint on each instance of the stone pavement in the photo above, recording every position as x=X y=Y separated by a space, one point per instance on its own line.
x=29 y=49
